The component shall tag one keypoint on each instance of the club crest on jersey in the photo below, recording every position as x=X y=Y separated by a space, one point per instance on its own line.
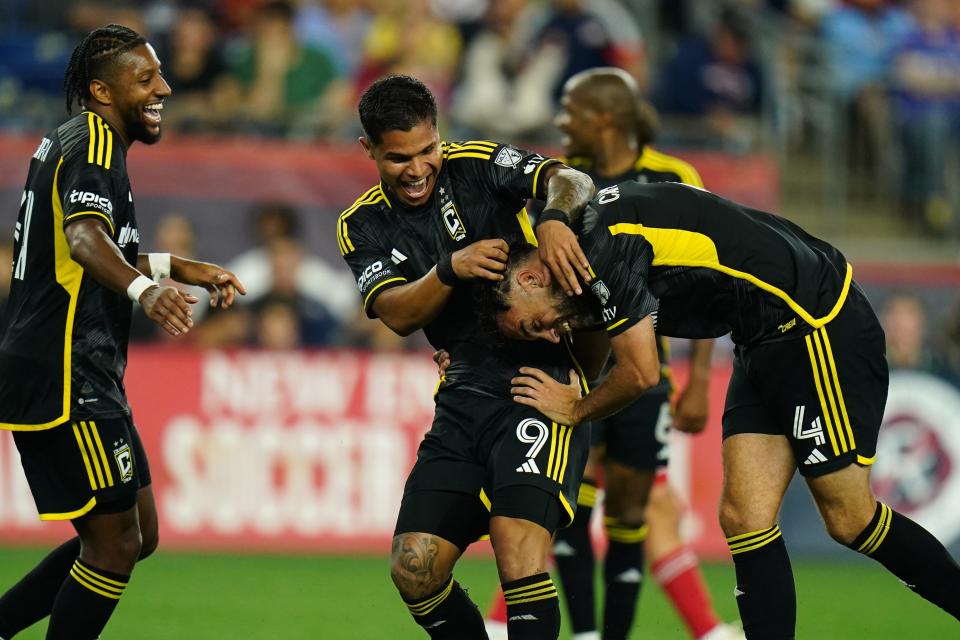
x=124 y=462
x=452 y=221
x=508 y=157
x=600 y=290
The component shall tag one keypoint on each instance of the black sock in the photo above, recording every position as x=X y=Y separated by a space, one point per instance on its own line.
x=766 y=596
x=573 y=555
x=85 y=603
x=31 y=599
x=533 y=610
x=449 y=614
x=911 y=553
x=622 y=576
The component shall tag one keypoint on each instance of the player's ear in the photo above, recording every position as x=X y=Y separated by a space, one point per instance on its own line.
x=100 y=92
x=530 y=279
x=367 y=147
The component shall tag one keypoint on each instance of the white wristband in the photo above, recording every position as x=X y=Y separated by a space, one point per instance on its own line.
x=140 y=284
x=159 y=265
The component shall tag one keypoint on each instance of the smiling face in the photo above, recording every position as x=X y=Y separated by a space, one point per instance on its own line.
x=134 y=94
x=534 y=314
x=578 y=123
x=408 y=161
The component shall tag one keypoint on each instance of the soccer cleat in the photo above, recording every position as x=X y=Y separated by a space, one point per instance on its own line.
x=496 y=630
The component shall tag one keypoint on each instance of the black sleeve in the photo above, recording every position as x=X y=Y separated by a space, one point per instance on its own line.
x=510 y=172
x=372 y=266
x=88 y=190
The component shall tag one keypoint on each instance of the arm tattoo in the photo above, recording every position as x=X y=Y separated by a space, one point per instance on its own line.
x=569 y=190
x=414 y=565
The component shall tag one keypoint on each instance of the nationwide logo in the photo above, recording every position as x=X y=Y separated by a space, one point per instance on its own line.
x=508 y=157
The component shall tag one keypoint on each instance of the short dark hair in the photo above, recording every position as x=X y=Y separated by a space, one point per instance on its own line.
x=395 y=103
x=491 y=298
x=95 y=58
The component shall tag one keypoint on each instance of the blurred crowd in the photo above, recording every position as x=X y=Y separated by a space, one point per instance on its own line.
x=739 y=76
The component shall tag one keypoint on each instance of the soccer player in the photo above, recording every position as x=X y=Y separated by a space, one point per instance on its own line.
x=809 y=380
x=63 y=347
x=607 y=130
x=441 y=217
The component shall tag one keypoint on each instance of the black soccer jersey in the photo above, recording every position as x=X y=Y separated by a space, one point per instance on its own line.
x=63 y=349
x=651 y=166
x=480 y=193
x=707 y=266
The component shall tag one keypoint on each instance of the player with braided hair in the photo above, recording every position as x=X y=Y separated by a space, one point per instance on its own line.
x=63 y=350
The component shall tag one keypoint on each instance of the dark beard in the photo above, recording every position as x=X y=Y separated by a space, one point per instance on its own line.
x=136 y=129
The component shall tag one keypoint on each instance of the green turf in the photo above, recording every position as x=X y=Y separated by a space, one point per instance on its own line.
x=253 y=597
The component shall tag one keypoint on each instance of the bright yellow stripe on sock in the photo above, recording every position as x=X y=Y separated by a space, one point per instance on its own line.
x=752 y=534
x=86 y=459
x=823 y=402
x=423 y=608
x=828 y=385
x=107 y=583
x=879 y=532
x=769 y=535
x=626 y=535
x=587 y=496
x=93 y=454
x=526 y=594
x=546 y=596
x=750 y=545
x=103 y=454
x=521 y=590
x=836 y=384
x=85 y=583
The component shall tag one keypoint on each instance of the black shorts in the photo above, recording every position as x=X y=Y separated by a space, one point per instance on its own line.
x=638 y=436
x=89 y=466
x=477 y=450
x=825 y=391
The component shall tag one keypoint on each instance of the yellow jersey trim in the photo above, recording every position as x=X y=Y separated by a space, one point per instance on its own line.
x=93 y=213
x=387 y=281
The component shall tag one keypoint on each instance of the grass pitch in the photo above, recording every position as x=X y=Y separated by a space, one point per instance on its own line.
x=189 y=596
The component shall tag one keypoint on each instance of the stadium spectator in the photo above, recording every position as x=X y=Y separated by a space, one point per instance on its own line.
x=277 y=324
x=904 y=322
x=338 y=27
x=281 y=87
x=195 y=69
x=713 y=87
x=926 y=79
x=505 y=89
x=861 y=37
x=325 y=297
x=406 y=37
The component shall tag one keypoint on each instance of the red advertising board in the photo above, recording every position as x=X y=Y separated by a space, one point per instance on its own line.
x=305 y=451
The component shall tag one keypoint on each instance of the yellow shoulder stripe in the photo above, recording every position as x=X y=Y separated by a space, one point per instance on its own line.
x=372 y=195
x=100 y=145
x=93 y=213
x=656 y=161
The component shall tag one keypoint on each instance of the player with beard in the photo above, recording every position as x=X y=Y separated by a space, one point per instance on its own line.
x=809 y=378
x=63 y=348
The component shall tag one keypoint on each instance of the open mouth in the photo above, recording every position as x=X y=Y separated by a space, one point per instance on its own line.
x=417 y=189
x=151 y=113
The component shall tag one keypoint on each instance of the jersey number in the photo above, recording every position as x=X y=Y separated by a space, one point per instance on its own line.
x=19 y=268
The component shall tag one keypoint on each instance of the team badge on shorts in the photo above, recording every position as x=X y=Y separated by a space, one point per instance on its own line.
x=124 y=462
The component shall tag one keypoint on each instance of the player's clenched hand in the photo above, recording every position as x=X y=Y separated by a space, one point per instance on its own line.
x=222 y=285
x=691 y=412
x=561 y=252
x=485 y=259
x=168 y=307
x=442 y=358
x=553 y=399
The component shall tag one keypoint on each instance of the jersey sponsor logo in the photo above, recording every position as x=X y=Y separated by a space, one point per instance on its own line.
x=397 y=257
x=124 y=462
x=508 y=157
x=44 y=148
x=815 y=431
x=127 y=235
x=535 y=161
x=452 y=221
x=372 y=273
x=88 y=199
x=609 y=194
x=600 y=290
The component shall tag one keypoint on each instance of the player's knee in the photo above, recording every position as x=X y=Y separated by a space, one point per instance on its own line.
x=663 y=508
x=843 y=524
x=736 y=519
x=414 y=568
